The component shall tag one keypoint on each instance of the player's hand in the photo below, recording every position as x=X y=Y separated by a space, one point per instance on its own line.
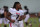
x=22 y=17
x=13 y=21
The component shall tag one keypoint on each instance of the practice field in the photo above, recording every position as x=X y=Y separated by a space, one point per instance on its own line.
x=34 y=22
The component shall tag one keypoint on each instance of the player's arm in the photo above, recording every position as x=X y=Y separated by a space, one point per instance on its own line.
x=9 y=18
x=5 y=12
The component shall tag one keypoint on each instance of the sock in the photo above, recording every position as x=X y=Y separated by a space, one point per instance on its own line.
x=5 y=25
x=30 y=25
x=26 y=23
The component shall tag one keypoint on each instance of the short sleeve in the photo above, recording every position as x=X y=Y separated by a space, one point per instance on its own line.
x=12 y=11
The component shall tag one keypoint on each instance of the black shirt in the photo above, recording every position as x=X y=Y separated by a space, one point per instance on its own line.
x=2 y=15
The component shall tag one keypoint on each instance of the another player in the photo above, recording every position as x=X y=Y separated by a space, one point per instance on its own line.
x=27 y=15
x=2 y=16
x=39 y=16
x=6 y=21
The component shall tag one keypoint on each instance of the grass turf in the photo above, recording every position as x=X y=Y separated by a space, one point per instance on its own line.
x=33 y=24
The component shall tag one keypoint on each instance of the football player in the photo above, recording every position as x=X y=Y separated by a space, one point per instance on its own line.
x=27 y=15
x=15 y=15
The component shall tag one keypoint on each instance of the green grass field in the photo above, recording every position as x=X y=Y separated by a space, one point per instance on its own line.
x=33 y=24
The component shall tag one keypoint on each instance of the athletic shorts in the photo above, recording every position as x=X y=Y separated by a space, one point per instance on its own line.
x=4 y=20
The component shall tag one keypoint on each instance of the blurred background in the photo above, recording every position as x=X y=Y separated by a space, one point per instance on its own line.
x=33 y=6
